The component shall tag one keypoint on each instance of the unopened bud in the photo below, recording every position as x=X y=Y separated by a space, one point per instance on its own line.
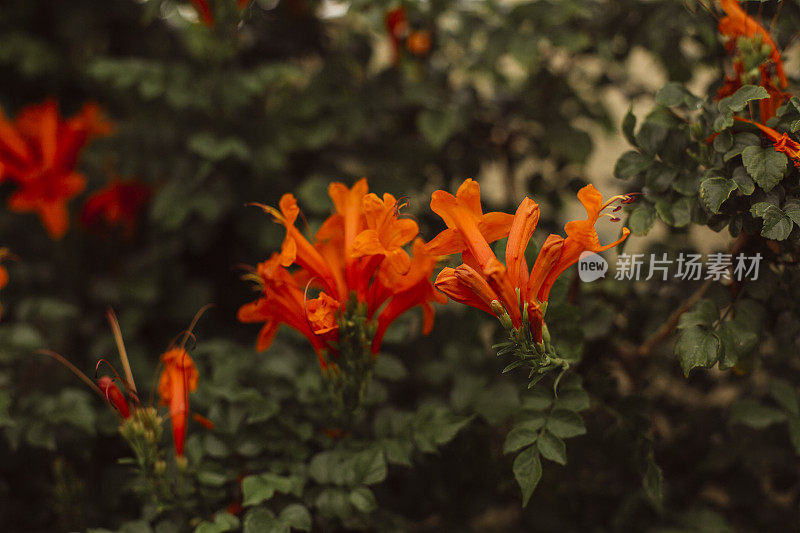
x=502 y=315
x=545 y=334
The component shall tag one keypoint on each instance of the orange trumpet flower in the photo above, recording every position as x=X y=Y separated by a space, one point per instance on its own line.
x=39 y=151
x=357 y=266
x=780 y=141
x=514 y=294
x=178 y=379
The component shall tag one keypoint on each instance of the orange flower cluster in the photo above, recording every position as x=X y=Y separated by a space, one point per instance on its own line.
x=357 y=262
x=117 y=204
x=772 y=75
x=39 y=152
x=517 y=296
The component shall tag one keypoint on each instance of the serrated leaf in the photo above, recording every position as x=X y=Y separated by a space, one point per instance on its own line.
x=777 y=226
x=792 y=210
x=552 y=448
x=765 y=165
x=714 y=191
x=696 y=346
x=739 y=100
x=528 y=471
x=751 y=413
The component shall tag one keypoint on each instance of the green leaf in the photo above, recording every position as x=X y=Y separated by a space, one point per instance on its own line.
x=528 y=471
x=370 y=466
x=522 y=435
x=572 y=400
x=785 y=394
x=642 y=219
x=631 y=164
x=736 y=102
x=794 y=433
x=222 y=522
x=363 y=499
x=737 y=342
x=739 y=100
x=629 y=125
x=751 y=413
x=262 y=520
x=777 y=225
x=262 y=487
x=296 y=516
x=552 y=448
x=740 y=142
x=565 y=424
x=714 y=191
x=792 y=209
x=671 y=94
x=653 y=482
x=334 y=503
x=765 y=165
x=437 y=126
x=703 y=313
x=743 y=181
x=723 y=142
x=696 y=346
x=659 y=178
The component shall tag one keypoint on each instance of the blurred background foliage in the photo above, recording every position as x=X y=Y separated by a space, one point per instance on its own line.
x=288 y=95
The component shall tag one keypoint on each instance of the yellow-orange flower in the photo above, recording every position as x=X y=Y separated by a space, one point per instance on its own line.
x=484 y=282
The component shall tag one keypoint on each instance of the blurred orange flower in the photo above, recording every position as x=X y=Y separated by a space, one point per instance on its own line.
x=117 y=204
x=39 y=151
x=206 y=13
x=419 y=43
